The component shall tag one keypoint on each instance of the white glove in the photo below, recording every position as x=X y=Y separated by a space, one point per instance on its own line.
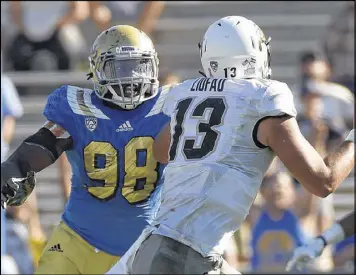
x=303 y=255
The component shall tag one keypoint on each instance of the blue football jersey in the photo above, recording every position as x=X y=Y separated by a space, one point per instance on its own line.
x=114 y=172
x=273 y=241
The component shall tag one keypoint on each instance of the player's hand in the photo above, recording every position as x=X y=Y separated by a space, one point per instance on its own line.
x=8 y=191
x=303 y=255
x=15 y=191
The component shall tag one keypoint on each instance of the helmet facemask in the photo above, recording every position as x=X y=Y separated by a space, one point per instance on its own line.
x=126 y=79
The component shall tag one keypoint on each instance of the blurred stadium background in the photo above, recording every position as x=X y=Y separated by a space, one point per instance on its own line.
x=295 y=27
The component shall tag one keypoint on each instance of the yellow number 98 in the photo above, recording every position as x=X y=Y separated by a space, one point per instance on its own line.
x=139 y=180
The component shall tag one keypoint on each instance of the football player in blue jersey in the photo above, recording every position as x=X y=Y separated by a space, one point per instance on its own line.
x=107 y=134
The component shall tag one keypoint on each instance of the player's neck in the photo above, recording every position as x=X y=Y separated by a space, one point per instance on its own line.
x=117 y=107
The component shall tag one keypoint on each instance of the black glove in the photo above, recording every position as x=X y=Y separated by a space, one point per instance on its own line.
x=8 y=190
x=15 y=191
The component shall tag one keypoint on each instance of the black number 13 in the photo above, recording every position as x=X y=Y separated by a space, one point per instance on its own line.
x=232 y=70
x=217 y=106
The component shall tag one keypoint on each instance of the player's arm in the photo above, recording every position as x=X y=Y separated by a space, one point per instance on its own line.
x=34 y=154
x=65 y=175
x=339 y=231
x=319 y=176
x=16 y=12
x=78 y=11
x=162 y=142
x=161 y=145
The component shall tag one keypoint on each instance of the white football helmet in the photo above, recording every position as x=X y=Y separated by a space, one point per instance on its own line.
x=235 y=47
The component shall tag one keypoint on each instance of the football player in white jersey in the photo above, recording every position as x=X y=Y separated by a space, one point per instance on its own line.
x=224 y=132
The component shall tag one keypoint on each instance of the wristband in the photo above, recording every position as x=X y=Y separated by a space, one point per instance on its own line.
x=351 y=136
x=323 y=240
x=334 y=234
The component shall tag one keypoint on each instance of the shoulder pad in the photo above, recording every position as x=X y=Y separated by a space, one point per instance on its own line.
x=64 y=103
x=277 y=100
x=56 y=109
x=162 y=96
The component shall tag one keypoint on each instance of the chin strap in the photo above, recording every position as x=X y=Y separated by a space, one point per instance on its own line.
x=200 y=52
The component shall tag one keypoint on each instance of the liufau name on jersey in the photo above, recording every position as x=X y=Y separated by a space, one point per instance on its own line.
x=107 y=134
x=224 y=132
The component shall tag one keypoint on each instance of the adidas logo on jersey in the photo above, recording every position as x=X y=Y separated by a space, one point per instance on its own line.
x=56 y=248
x=125 y=127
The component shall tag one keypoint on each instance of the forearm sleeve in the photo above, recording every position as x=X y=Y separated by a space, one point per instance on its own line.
x=38 y=152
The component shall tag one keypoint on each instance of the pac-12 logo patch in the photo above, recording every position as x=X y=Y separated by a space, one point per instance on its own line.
x=91 y=123
x=214 y=65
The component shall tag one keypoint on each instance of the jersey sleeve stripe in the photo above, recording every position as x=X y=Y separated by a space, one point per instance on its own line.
x=80 y=102
x=95 y=111
x=72 y=100
x=157 y=108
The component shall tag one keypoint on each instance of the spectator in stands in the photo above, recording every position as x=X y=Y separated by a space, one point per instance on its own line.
x=100 y=14
x=145 y=13
x=315 y=215
x=306 y=59
x=150 y=15
x=283 y=216
x=168 y=78
x=340 y=47
x=324 y=103
x=11 y=109
x=99 y=19
x=276 y=230
x=17 y=238
x=27 y=245
x=323 y=132
x=39 y=27
x=37 y=239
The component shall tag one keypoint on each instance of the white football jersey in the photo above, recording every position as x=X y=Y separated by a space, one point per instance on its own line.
x=216 y=163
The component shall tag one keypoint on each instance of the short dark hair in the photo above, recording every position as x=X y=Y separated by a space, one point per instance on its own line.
x=310 y=56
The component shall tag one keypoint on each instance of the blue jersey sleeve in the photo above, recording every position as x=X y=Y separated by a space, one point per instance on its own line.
x=58 y=110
